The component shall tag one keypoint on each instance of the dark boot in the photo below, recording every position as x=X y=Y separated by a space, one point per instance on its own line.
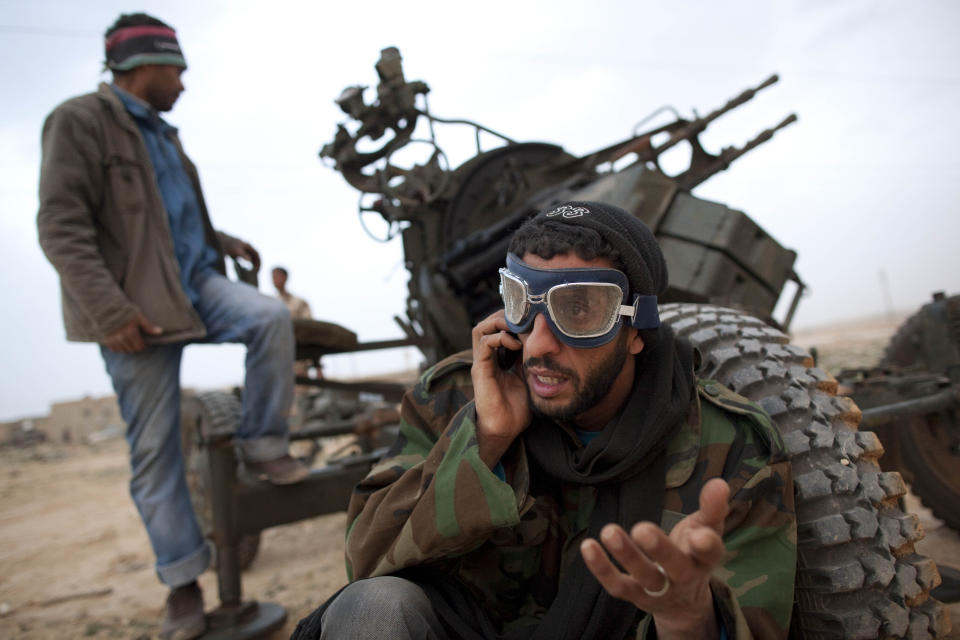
x=283 y=470
x=183 y=618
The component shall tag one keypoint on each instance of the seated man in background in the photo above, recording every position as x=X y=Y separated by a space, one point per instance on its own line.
x=593 y=489
x=299 y=310
x=298 y=307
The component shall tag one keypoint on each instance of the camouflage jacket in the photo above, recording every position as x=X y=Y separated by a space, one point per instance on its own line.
x=432 y=501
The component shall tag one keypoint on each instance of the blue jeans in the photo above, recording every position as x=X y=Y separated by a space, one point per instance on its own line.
x=147 y=385
x=385 y=608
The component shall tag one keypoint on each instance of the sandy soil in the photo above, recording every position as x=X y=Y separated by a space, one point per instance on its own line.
x=75 y=562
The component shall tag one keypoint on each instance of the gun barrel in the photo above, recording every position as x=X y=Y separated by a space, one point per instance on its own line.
x=773 y=79
x=764 y=136
x=700 y=124
x=699 y=173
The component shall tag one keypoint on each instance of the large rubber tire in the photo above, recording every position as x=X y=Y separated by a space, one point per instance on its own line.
x=858 y=575
x=928 y=449
x=210 y=414
x=928 y=444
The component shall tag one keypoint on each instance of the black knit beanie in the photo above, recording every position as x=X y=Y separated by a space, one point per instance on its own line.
x=639 y=252
x=142 y=43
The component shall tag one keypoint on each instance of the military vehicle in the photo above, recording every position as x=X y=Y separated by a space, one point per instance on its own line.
x=859 y=575
x=910 y=400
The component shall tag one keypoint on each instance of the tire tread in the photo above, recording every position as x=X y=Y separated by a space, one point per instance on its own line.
x=858 y=573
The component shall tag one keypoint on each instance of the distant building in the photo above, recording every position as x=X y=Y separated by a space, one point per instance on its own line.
x=78 y=420
x=73 y=421
x=22 y=431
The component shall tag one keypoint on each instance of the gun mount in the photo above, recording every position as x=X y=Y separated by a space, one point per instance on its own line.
x=456 y=223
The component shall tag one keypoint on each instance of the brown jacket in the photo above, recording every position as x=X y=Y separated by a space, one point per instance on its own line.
x=103 y=225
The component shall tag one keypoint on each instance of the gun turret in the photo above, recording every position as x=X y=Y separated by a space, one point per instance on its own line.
x=461 y=218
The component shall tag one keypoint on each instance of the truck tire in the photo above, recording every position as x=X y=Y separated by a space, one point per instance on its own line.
x=928 y=449
x=858 y=575
x=210 y=414
x=905 y=348
x=929 y=445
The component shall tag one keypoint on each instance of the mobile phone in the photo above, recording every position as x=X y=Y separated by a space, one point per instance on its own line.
x=507 y=358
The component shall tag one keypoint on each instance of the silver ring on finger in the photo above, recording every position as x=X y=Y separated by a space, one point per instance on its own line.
x=666 y=583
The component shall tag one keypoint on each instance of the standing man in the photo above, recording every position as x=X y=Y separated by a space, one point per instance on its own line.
x=123 y=220
x=594 y=489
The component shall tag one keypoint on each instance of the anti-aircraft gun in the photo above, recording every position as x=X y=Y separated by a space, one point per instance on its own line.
x=456 y=223
x=858 y=573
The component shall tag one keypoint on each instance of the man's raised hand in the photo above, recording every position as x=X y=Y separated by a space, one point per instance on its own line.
x=500 y=395
x=667 y=576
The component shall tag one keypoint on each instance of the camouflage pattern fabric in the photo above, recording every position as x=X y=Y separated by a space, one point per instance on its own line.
x=432 y=502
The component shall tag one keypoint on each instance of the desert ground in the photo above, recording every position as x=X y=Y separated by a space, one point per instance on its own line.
x=75 y=561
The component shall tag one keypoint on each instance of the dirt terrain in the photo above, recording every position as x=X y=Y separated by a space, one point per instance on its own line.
x=75 y=561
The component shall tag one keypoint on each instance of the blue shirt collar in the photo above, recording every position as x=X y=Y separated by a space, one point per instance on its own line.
x=140 y=110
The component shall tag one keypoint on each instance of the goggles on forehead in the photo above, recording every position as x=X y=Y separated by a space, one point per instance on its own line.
x=583 y=307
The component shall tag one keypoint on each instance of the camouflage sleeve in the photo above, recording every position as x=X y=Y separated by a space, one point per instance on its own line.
x=753 y=586
x=431 y=497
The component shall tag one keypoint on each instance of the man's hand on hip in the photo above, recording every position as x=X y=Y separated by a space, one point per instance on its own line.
x=129 y=337
x=667 y=576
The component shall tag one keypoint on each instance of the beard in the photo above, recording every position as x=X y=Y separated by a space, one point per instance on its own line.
x=162 y=99
x=589 y=391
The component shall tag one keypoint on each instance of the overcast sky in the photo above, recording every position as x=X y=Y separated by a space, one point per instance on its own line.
x=863 y=187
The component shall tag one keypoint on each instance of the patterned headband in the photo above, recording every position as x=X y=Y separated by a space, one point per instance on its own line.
x=131 y=47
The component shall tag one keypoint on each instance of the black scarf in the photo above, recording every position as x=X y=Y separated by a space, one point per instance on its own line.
x=626 y=463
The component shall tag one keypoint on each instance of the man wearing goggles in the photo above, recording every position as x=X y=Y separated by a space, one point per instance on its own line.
x=591 y=489
x=583 y=307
